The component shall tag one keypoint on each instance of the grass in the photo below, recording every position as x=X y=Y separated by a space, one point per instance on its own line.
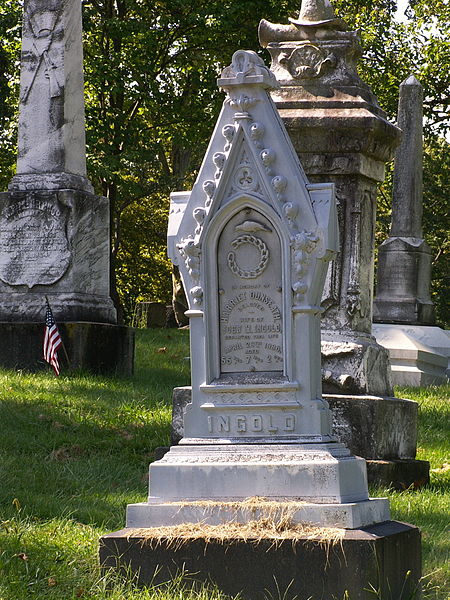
x=74 y=451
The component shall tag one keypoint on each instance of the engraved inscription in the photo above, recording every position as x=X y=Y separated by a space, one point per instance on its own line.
x=34 y=249
x=250 y=316
x=255 y=398
x=267 y=423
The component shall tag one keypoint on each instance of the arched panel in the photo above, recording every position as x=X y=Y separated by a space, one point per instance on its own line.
x=248 y=322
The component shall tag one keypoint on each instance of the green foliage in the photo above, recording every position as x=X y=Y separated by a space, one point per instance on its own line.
x=151 y=103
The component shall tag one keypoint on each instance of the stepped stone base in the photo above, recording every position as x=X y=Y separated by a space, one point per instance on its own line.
x=350 y=515
x=100 y=348
x=384 y=557
x=381 y=430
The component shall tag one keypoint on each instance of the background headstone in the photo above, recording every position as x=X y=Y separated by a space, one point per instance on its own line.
x=403 y=310
x=341 y=135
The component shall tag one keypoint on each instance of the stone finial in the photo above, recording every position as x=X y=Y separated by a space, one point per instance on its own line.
x=247 y=68
x=316 y=13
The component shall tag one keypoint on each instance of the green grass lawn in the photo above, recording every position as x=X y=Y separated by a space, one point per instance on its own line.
x=74 y=451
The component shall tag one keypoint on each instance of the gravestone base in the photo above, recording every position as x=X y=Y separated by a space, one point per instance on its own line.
x=99 y=348
x=404 y=273
x=54 y=243
x=419 y=354
x=385 y=557
x=354 y=364
x=381 y=430
x=399 y=474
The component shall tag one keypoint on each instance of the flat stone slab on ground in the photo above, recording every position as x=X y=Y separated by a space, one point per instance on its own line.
x=306 y=567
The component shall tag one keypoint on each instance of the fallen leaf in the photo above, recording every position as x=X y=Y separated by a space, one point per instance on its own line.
x=162 y=350
x=66 y=452
x=21 y=555
x=51 y=581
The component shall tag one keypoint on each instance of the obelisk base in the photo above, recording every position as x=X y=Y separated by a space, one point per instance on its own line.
x=98 y=348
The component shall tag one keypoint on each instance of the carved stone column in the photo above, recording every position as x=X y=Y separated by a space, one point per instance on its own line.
x=340 y=135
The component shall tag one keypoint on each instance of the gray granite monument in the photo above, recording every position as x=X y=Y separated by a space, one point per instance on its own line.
x=403 y=310
x=252 y=241
x=341 y=135
x=54 y=232
x=404 y=259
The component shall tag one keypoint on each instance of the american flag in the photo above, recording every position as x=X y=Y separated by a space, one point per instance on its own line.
x=52 y=340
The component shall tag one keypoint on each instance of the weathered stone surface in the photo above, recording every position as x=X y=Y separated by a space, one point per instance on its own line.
x=94 y=347
x=51 y=138
x=404 y=259
x=375 y=427
x=354 y=366
x=340 y=134
x=386 y=557
x=54 y=243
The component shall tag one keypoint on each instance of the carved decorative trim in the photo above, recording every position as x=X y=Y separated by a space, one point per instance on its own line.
x=308 y=62
x=353 y=303
x=190 y=251
x=303 y=245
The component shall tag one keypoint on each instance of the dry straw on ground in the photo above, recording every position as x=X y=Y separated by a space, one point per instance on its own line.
x=266 y=520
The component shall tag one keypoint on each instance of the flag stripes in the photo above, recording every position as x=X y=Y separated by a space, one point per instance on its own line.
x=52 y=340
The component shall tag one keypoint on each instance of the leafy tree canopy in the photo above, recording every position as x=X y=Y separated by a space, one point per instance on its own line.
x=151 y=102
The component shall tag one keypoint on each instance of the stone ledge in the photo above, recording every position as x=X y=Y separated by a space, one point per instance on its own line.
x=351 y=515
x=379 y=556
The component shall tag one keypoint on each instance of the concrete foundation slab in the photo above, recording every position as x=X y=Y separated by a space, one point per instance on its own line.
x=384 y=557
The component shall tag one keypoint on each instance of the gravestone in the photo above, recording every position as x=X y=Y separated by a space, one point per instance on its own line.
x=252 y=241
x=341 y=135
x=54 y=232
x=403 y=310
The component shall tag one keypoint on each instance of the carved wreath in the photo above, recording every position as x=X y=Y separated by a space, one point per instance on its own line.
x=264 y=257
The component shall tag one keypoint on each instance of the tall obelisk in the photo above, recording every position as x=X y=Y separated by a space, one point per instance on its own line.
x=54 y=232
x=404 y=259
x=51 y=136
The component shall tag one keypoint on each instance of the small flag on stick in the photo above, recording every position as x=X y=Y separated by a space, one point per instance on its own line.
x=52 y=339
